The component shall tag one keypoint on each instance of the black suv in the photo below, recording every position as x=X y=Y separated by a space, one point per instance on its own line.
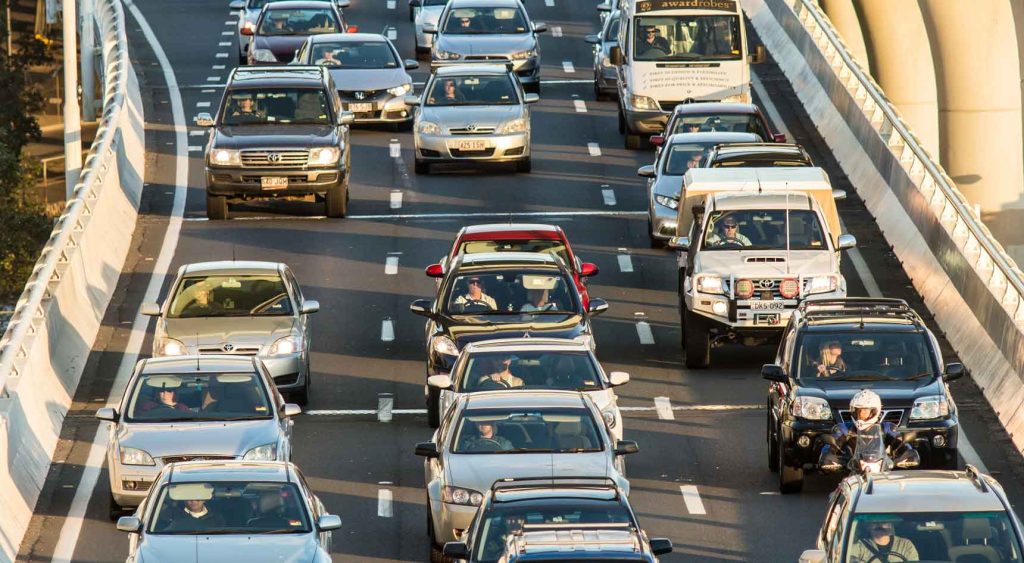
x=279 y=132
x=551 y=516
x=833 y=348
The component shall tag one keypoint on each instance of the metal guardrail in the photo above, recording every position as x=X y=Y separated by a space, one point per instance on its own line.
x=30 y=312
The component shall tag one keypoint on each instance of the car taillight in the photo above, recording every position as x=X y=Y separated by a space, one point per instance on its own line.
x=744 y=289
x=789 y=288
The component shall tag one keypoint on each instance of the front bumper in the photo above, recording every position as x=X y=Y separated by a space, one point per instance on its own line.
x=664 y=221
x=645 y=122
x=289 y=371
x=129 y=484
x=499 y=148
x=452 y=518
x=739 y=316
x=238 y=181
x=920 y=434
x=388 y=109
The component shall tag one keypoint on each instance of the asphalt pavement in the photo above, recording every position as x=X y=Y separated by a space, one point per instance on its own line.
x=714 y=439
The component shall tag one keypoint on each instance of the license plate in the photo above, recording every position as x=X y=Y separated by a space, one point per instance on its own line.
x=766 y=305
x=472 y=145
x=360 y=108
x=274 y=182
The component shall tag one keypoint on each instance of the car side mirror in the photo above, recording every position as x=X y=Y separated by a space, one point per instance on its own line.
x=847 y=242
x=604 y=7
x=758 y=56
x=813 y=556
x=421 y=307
x=291 y=409
x=592 y=39
x=774 y=372
x=427 y=450
x=430 y=28
x=779 y=137
x=246 y=30
x=657 y=140
x=839 y=195
x=953 y=371
x=540 y=27
x=150 y=309
x=108 y=414
x=647 y=171
x=412 y=101
x=346 y=118
x=615 y=55
x=617 y=378
x=440 y=381
x=588 y=269
x=679 y=243
x=309 y=306
x=411 y=64
x=129 y=524
x=456 y=550
x=328 y=522
x=597 y=306
x=531 y=98
x=626 y=447
x=661 y=546
x=236 y=4
x=203 y=120
x=342 y=3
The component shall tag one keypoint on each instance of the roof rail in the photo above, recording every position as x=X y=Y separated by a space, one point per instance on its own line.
x=858 y=307
x=869 y=484
x=533 y=535
x=566 y=481
x=276 y=68
x=509 y=66
x=976 y=478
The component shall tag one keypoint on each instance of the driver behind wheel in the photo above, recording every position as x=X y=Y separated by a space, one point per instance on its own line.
x=831 y=361
x=500 y=374
x=729 y=235
x=488 y=440
x=652 y=41
x=475 y=295
x=882 y=545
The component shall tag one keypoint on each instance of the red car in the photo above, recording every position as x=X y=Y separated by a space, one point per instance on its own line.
x=515 y=237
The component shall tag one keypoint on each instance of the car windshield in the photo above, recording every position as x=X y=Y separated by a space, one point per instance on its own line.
x=551 y=246
x=499 y=431
x=297 y=106
x=764 y=229
x=933 y=536
x=512 y=292
x=760 y=160
x=863 y=356
x=298 y=21
x=198 y=396
x=564 y=370
x=486 y=20
x=680 y=157
x=509 y=518
x=734 y=122
x=687 y=38
x=231 y=296
x=485 y=90
x=227 y=507
x=354 y=54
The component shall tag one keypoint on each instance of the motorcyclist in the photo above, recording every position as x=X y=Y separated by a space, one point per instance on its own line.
x=866 y=411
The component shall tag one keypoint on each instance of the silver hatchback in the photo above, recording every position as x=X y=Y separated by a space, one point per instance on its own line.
x=192 y=408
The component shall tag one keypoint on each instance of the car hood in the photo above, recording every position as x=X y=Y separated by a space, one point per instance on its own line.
x=485 y=44
x=893 y=393
x=218 y=331
x=479 y=471
x=369 y=78
x=283 y=46
x=232 y=438
x=476 y=330
x=277 y=135
x=462 y=116
x=280 y=548
x=668 y=184
x=743 y=262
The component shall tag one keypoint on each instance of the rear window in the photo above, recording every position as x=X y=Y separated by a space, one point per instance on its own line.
x=734 y=122
x=550 y=246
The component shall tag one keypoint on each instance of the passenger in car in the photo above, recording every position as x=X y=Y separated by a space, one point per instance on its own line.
x=882 y=544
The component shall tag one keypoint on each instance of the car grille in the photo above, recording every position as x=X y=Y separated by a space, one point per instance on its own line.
x=197 y=457
x=479 y=154
x=502 y=58
x=350 y=97
x=275 y=159
x=236 y=350
x=895 y=416
x=767 y=294
x=473 y=131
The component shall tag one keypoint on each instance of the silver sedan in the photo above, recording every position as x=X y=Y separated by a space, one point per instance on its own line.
x=606 y=75
x=425 y=13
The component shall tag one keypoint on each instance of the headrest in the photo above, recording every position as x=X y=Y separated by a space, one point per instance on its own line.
x=977 y=529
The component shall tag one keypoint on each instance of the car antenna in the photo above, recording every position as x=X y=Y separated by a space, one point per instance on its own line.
x=197 y=347
x=788 y=248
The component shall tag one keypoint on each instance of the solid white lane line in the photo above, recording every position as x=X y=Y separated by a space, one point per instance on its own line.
x=643 y=330
x=664 y=408
x=556 y=31
x=199 y=133
x=391 y=265
x=396 y=199
x=568 y=67
x=387 y=332
x=625 y=260
x=609 y=196
x=580 y=105
x=72 y=527
x=224 y=43
x=692 y=499
x=594 y=149
x=202 y=104
x=385 y=502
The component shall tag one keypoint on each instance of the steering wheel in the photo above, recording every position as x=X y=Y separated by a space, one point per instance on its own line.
x=654 y=52
x=488 y=445
x=475 y=305
x=890 y=558
x=732 y=243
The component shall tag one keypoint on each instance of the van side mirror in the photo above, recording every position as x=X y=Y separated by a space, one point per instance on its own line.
x=626 y=447
x=427 y=450
x=661 y=546
x=774 y=372
x=847 y=242
x=679 y=243
x=953 y=371
x=615 y=55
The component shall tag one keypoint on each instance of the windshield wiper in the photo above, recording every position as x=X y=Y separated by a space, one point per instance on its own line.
x=861 y=377
x=919 y=375
x=281 y=531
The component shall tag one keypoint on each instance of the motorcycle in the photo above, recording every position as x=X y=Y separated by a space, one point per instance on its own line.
x=866 y=454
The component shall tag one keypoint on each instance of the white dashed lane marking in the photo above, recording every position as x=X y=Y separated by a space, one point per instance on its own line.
x=625 y=261
x=224 y=43
x=387 y=332
x=391 y=264
x=692 y=499
x=580 y=105
x=218 y=67
x=199 y=133
x=202 y=104
x=556 y=31
x=664 y=408
x=643 y=331
x=567 y=66
x=609 y=196
x=594 y=149
x=396 y=199
x=385 y=502
x=391 y=4
x=195 y=148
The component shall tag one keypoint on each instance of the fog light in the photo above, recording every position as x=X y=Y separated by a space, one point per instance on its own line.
x=803 y=441
x=719 y=308
x=939 y=441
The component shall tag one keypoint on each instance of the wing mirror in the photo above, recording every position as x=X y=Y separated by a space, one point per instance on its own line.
x=246 y=30
x=328 y=522
x=617 y=378
x=342 y=3
x=604 y=7
x=203 y=120
x=597 y=306
x=150 y=309
x=847 y=242
x=434 y=271
x=236 y=4
x=531 y=98
x=540 y=27
x=430 y=28
x=427 y=450
x=657 y=140
x=352 y=29
x=412 y=101
x=309 y=306
x=779 y=138
x=774 y=372
x=129 y=524
x=346 y=118
x=954 y=371
x=108 y=414
x=291 y=409
x=839 y=195
x=440 y=381
x=626 y=447
x=647 y=171
x=421 y=307
x=661 y=546
x=679 y=243
x=588 y=269
x=411 y=64
x=592 y=39
x=456 y=550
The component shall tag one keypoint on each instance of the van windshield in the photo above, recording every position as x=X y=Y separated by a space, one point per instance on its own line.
x=764 y=229
x=687 y=38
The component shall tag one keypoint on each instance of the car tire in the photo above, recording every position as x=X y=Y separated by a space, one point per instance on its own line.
x=633 y=142
x=412 y=14
x=791 y=479
x=301 y=397
x=336 y=201
x=524 y=166
x=216 y=207
x=433 y=407
x=114 y=510
x=422 y=167
x=697 y=342
x=948 y=459
x=622 y=122
x=773 y=444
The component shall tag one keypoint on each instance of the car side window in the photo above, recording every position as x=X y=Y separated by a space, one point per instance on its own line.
x=296 y=291
x=788 y=341
x=308 y=493
x=832 y=523
x=446 y=422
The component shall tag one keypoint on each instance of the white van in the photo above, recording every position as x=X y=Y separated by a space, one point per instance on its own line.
x=674 y=51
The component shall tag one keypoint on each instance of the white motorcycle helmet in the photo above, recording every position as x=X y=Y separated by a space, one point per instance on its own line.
x=866 y=400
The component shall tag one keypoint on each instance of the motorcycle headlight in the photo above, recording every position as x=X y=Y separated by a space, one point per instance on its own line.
x=170 y=347
x=263 y=56
x=820 y=284
x=323 y=156
x=609 y=417
x=444 y=345
x=135 y=456
x=266 y=452
x=710 y=284
x=429 y=128
x=929 y=408
x=513 y=126
x=225 y=157
x=284 y=346
x=446 y=55
x=400 y=90
x=523 y=55
x=643 y=102
x=458 y=495
x=667 y=201
x=811 y=408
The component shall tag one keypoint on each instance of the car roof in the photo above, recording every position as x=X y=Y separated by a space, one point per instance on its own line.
x=760 y=148
x=538 y=399
x=551 y=492
x=508 y=230
x=509 y=258
x=715 y=107
x=464 y=69
x=343 y=37
x=712 y=137
x=211 y=363
x=859 y=313
x=283 y=75
x=524 y=344
x=196 y=471
x=925 y=491
x=240 y=267
x=482 y=3
x=774 y=200
x=294 y=4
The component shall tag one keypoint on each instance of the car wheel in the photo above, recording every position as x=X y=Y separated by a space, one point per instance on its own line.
x=301 y=397
x=216 y=207
x=697 y=342
x=622 y=122
x=633 y=141
x=947 y=459
x=336 y=201
x=114 y=510
x=524 y=166
x=655 y=243
x=434 y=407
x=791 y=479
x=773 y=444
x=422 y=167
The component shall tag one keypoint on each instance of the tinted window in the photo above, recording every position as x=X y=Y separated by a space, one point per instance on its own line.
x=230 y=296
x=687 y=38
x=303 y=21
x=229 y=508
x=933 y=536
x=494 y=431
x=175 y=397
x=863 y=356
x=735 y=122
x=488 y=371
x=550 y=246
x=285 y=105
x=467 y=21
x=497 y=90
x=754 y=229
x=354 y=54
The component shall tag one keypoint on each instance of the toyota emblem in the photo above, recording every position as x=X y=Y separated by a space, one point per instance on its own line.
x=471 y=127
x=360 y=95
x=229 y=347
x=273 y=157
x=766 y=284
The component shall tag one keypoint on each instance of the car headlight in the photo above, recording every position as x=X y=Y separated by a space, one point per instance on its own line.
x=170 y=347
x=429 y=128
x=284 y=346
x=263 y=56
x=135 y=456
x=643 y=102
x=931 y=407
x=710 y=283
x=609 y=417
x=446 y=55
x=523 y=55
x=458 y=495
x=444 y=345
x=811 y=408
x=667 y=201
x=225 y=157
x=400 y=90
x=513 y=126
x=266 y=452
x=323 y=156
x=820 y=284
